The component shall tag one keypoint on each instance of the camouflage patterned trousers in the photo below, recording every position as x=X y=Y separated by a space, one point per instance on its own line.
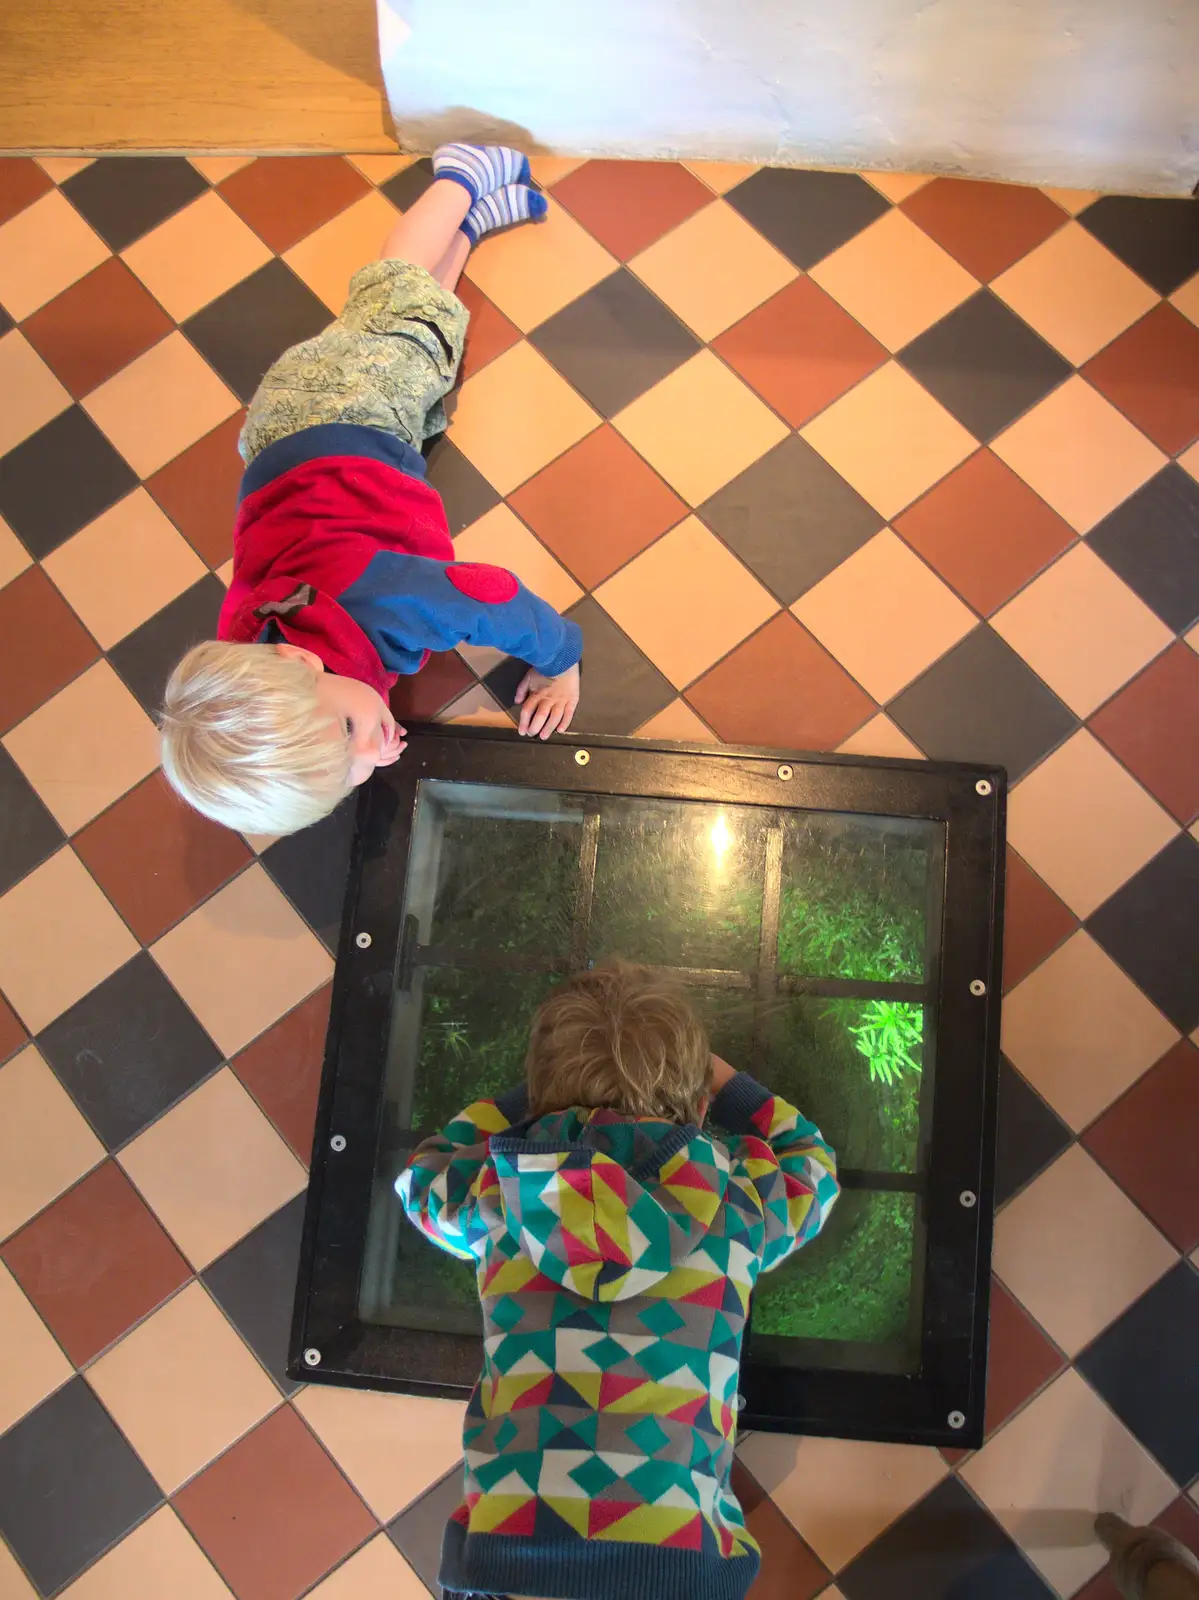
x=387 y=362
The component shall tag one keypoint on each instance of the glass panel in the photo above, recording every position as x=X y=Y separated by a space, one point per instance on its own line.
x=857 y=895
x=678 y=883
x=852 y=1292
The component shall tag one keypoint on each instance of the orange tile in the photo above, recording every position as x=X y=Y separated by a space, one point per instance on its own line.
x=14 y=558
x=985 y=226
x=890 y=439
x=1186 y=299
x=377 y=1569
x=42 y=645
x=57 y=907
x=713 y=269
x=282 y=1069
x=721 y=176
x=1082 y=629
x=33 y=1365
x=894 y=279
x=880 y=737
x=1035 y=921
x=677 y=721
x=675 y=426
x=530 y=273
x=516 y=416
x=160 y=404
x=359 y=1429
x=217 y=168
x=1084 y=824
x=97 y=326
x=686 y=601
x=47 y=1146
x=477 y=708
x=22 y=181
x=122 y=568
x=1078 y=453
x=884 y=616
x=329 y=257
x=377 y=169
x=84 y=748
x=43 y=250
x=897 y=186
x=195 y=255
x=198 y=491
x=500 y=539
x=158 y=1558
x=1148 y=725
x=30 y=394
x=1152 y=374
x=1074 y=292
x=284 y=199
x=489 y=332
x=1071 y=200
x=626 y=205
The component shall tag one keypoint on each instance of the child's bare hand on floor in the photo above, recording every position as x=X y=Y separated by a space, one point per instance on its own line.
x=722 y=1073
x=547 y=704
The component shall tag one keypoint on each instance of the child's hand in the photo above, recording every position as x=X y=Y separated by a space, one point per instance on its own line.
x=722 y=1073
x=547 y=704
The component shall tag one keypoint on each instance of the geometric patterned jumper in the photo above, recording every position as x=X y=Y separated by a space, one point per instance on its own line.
x=614 y=1258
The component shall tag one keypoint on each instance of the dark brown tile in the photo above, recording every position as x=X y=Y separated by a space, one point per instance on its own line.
x=985 y=531
x=423 y=694
x=1151 y=726
x=800 y=351
x=12 y=1032
x=1035 y=921
x=96 y=327
x=820 y=707
x=274 y=1514
x=985 y=226
x=198 y=491
x=284 y=199
x=597 y=506
x=22 y=182
x=95 y=1262
x=1148 y=1141
x=489 y=333
x=282 y=1069
x=43 y=645
x=1180 y=1518
x=1152 y=374
x=626 y=205
x=1020 y=1358
x=156 y=858
x=791 y=1569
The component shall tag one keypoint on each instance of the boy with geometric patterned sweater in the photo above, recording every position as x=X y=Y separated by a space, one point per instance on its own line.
x=615 y=1246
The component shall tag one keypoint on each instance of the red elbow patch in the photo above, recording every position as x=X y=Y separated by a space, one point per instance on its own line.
x=492 y=585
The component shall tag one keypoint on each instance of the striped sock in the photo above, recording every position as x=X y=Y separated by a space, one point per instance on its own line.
x=480 y=168
x=513 y=203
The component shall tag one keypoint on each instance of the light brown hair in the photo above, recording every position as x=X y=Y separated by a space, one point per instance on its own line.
x=621 y=1037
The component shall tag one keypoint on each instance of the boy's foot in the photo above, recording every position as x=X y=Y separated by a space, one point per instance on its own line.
x=481 y=168
x=513 y=203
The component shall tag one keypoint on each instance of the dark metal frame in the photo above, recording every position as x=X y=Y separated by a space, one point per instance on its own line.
x=941 y=1402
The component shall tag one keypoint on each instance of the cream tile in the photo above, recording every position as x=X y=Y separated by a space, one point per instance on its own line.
x=213 y=1168
x=500 y=539
x=884 y=615
x=1057 y=1463
x=45 y=1144
x=157 y=1559
x=686 y=601
x=217 y=168
x=124 y=567
x=1189 y=461
x=86 y=747
x=30 y=394
x=1080 y=1031
x=530 y=273
x=671 y=426
x=14 y=557
x=889 y=438
x=44 y=250
x=247 y=926
x=480 y=658
x=183 y=1386
x=897 y=186
x=196 y=255
x=1075 y=1251
x=839 y=1494
x=60 y=168
x=57 y=907
x=721 y=176
x=360 y=1428
x=1186 y=299
x=33 y=1364
x=517 y=415
x=377 y=169
x=677 y=721
x=1072 y=200
x=377 y=1569
x=160 y=403
x=14 y=1585
x=894 y=279
x=225 y=573
x=880 y=737
x=1074 y=292
x=477 y=708
x=1084 y=823
x=328 y=258
x=548 y=170
x=1079 y=453
x=1082 y=629
x=713 y=269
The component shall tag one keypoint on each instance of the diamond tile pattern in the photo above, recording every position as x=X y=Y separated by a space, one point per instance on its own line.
x=692 y=401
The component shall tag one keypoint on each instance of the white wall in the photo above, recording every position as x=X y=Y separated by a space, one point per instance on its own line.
x=1095 y=94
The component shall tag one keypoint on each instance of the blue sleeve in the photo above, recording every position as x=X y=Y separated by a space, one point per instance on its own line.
x=409 y=604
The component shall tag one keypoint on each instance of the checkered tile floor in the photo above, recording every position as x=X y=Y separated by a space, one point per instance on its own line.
x=818 y=460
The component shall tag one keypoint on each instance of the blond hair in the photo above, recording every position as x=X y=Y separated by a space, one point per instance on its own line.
x=245 y=741
x=622 y=1037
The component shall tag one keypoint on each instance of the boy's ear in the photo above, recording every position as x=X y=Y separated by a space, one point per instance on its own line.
x=299 y=653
